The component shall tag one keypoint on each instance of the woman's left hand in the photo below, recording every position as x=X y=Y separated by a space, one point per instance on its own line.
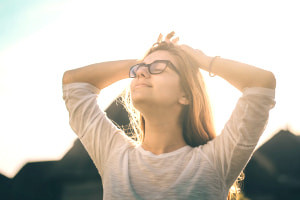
x=196 y=54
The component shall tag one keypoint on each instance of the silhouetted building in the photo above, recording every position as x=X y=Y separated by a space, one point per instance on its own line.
x=5 y=187
x=274 y=170
x=74 y=177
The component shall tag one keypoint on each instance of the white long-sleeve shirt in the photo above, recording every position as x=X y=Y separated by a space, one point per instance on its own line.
x=130 y=172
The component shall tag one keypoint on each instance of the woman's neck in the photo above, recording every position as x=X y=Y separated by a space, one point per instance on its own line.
x=163 y=135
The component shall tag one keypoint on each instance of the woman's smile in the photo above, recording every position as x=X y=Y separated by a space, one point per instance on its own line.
x=142 y=85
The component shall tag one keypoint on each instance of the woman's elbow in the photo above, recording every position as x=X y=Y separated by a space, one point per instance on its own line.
x=67 y=77
x=269 y=80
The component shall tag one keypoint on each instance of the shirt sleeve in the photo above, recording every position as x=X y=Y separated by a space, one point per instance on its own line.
x=230 y=151
x=98 y=134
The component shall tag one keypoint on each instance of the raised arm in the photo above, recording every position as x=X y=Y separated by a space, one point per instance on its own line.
x=100 y=75
x=238 y=74
x=98 y=134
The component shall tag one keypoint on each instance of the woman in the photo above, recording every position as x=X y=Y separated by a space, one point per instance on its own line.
x=177 y=155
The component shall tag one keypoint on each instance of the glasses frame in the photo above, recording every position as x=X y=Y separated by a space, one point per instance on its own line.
x=167 y=62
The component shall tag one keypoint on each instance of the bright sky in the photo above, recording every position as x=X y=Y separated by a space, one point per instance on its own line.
x=40 y=39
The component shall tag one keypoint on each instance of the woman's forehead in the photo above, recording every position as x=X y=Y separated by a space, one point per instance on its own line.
x=159 y=55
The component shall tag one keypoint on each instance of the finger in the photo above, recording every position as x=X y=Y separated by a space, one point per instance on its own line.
x=175 y=40
x=169 y=36
x=160 y=37
x=167 y=40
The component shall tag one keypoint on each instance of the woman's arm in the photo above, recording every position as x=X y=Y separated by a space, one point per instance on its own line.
x=100 y=75
x=240 y=75
x=96 y=131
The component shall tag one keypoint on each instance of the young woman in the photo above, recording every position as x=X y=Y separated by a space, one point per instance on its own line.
x=177 y=155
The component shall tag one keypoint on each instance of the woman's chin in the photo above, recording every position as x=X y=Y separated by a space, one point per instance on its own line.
x=140 y=101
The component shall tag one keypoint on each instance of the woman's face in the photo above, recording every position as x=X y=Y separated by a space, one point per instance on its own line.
x=157 y=90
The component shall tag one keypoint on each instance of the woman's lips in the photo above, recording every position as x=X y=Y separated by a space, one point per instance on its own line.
x=142 y=85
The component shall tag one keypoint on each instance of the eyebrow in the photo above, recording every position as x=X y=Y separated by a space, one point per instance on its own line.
x=156 y=61
x=148 y=63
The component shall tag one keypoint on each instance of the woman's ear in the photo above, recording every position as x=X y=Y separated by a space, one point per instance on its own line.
x=183 y=100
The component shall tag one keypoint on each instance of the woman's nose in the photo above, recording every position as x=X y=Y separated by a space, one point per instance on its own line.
x=143 y=72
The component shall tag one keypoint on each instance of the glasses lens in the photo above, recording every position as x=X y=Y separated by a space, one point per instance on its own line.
x=154 y=68
x=157 y=67
x=132 y=72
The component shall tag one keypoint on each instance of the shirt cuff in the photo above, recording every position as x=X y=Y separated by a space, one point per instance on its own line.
x=259 y=91
x=81 y=85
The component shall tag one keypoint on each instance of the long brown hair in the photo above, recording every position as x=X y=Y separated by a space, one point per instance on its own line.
x=196 y=117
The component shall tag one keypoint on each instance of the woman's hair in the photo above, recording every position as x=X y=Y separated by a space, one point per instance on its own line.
x=196 y=117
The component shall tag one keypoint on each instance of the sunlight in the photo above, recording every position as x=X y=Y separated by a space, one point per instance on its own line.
x=85 y=32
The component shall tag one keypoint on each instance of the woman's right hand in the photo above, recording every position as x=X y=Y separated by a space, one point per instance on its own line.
x=168 y=38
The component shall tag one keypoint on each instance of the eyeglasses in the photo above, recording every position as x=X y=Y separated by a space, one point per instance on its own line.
x=156 y=67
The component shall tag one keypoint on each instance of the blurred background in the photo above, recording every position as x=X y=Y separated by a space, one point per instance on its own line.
x=40 y=39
